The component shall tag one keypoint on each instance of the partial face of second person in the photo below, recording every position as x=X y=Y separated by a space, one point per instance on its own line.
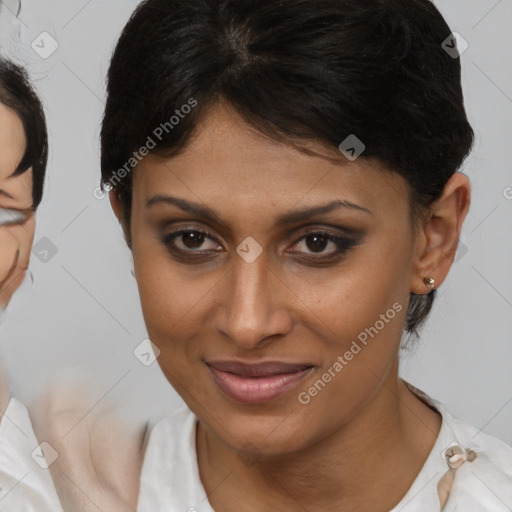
x=15 y=193
x=303 y=300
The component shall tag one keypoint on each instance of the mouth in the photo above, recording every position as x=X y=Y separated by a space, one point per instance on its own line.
x=257 y=383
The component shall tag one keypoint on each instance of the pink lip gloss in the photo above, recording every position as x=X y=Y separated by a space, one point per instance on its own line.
x=253 y=390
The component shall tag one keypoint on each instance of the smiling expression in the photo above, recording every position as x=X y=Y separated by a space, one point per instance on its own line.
x=248 y=251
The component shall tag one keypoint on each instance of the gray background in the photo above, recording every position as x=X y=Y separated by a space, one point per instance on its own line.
x=83 y=310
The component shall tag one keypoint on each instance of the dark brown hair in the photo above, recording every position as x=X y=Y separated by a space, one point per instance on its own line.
x=17 y=93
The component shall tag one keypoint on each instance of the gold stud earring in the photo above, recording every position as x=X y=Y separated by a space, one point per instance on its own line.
x=430 y=282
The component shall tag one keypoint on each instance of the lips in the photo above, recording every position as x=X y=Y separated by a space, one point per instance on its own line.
x=257 y=370
x=257 y=383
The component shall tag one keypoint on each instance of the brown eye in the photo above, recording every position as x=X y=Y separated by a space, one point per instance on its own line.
x=193 y=239
x=189 y=240
x=318 y=242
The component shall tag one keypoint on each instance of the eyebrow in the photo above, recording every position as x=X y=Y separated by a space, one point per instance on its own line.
x=287 y=218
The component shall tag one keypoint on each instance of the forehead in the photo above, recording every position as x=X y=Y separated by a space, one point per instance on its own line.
x=227 y=162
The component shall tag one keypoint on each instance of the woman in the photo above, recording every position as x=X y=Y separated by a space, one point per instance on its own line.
x=286 y=177
x=24 y=151
x=23 y=159
x=102 y=453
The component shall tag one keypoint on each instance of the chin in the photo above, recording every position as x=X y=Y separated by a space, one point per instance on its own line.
x=260 y=430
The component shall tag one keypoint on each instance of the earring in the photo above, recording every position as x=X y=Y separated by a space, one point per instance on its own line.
x=430 y=282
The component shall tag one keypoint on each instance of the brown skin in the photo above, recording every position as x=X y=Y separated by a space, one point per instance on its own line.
x=365 y=429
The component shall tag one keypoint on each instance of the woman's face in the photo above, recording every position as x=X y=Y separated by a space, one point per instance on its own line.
x=15 y=193
x=264 y=286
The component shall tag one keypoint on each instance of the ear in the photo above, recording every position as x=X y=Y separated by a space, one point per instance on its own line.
x=117 y=207
x=438 y=238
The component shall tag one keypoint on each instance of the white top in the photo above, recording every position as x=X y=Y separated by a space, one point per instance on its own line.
x=25 y=482
x=170 y=477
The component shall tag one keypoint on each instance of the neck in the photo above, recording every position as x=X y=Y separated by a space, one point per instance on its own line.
x=383 y=447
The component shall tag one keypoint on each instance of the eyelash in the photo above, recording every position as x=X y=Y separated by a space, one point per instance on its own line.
x=344 y=245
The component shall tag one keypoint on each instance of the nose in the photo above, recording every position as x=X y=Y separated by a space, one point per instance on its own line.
x=252 y=308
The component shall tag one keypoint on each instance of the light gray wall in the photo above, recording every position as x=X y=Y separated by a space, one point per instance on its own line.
x=83 y=309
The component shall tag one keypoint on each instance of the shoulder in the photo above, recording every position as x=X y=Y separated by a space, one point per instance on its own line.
x=459 y=431
x=174 y=433
x=169 y=473
x=24 y=480
x=99 y=452
x=473 y=470
x=174 y=422
x=483 y=481
x=493 y=450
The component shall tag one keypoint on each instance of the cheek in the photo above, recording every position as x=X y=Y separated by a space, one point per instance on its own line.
x=358 y=317
x=171 y=296
x=341 y=303
x=173 y=305
x=22 y=237
x=26 y=237
x=165 y=296
x=161 y=293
